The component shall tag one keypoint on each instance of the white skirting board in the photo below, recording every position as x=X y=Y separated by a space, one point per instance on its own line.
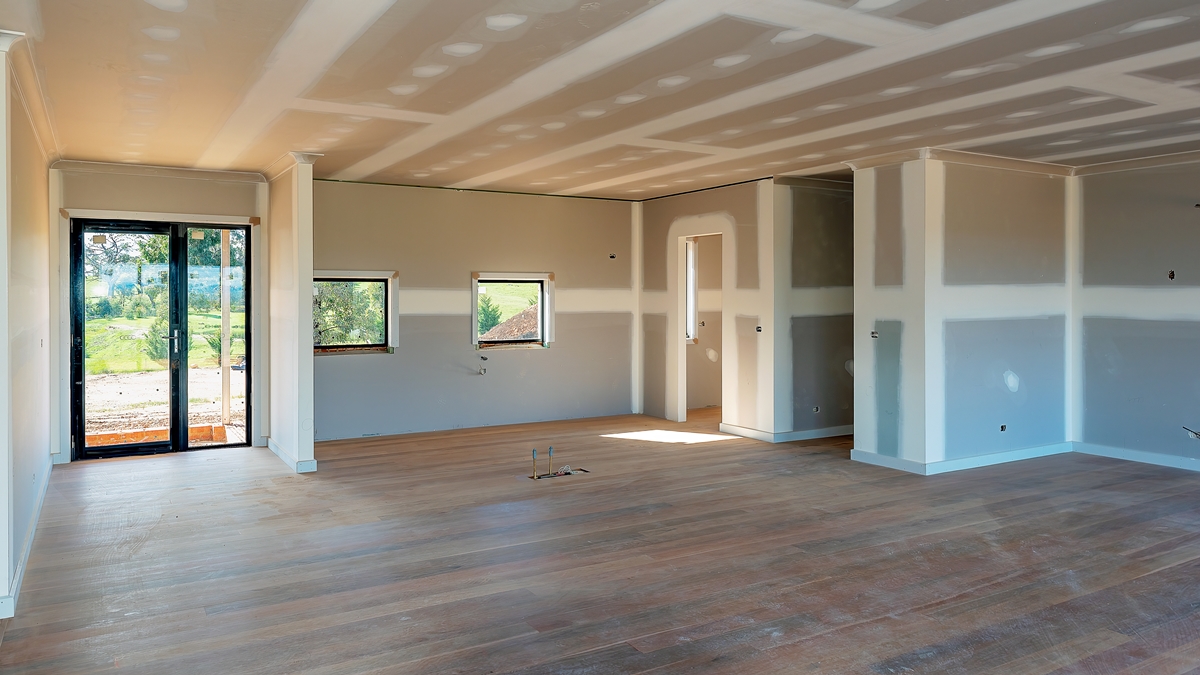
x=1158 y=459
x=307 y=466
x=1173 y=461
x=786 y=436
x=959 y=464
x=8 y=603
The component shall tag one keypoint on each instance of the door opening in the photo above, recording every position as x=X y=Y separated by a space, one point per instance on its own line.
x=702 y=319
x=159 y=343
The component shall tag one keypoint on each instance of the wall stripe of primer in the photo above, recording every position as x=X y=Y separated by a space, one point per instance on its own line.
x=457 y=301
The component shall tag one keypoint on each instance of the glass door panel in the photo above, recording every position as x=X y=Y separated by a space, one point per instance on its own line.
x=159 y=347
x=127 y=338
x=216 y=320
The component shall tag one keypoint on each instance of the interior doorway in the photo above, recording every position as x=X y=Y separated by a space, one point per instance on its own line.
x=703 y=322
x=159 y=347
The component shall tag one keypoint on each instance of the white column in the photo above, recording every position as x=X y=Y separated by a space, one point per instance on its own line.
x=7 y=558
x=305 y=453
x=290 y=272
x=1074 y=328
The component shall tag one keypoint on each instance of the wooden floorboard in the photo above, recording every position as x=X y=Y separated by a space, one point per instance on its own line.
x=433 y=553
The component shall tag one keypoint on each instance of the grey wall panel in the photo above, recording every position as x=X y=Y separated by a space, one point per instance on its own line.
x=1141 y=384
x=432 y=382
x=704 y=374
x=740 y=202
x=654 y=365
x=436 y=238
x=1140 y=225
x=822 y=349
x=889 y=227
x=822 y=237
x=747 y=354
x=708 y=262
x=1004 y=372
x=1004 y=227
x=887 y=387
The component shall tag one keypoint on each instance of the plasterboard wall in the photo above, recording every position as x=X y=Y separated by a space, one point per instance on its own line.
x=109 y=188
x=975 y=331
x=820 y=306
x=738 y=215
x=435 y=239
x=1140 y=328
x=26 y=300
x=738 y=202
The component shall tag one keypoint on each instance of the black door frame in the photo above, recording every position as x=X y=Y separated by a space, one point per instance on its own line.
x=177 y=320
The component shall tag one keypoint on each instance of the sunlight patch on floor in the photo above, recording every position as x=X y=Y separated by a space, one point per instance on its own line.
x=664 y=436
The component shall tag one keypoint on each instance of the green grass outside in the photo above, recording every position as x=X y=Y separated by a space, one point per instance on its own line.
x=510 y=298
x=113 y=345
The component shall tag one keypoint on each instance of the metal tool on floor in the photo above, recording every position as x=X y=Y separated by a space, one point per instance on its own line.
x=565 y=470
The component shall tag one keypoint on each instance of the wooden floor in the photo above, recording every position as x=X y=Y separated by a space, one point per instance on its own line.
x=434 y=554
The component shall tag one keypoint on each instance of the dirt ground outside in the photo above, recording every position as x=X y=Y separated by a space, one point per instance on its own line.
x=135 y=401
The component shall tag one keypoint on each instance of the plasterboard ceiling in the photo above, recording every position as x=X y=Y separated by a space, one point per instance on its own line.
x=612 y=98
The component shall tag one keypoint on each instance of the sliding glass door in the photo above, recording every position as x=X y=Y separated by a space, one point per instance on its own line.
x=160 y=349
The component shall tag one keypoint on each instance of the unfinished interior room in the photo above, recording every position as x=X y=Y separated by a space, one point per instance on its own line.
x=417 y=337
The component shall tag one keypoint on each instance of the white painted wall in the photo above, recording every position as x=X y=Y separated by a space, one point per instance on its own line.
x=25 y=323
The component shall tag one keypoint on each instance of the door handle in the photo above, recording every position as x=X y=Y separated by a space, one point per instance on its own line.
x=174 y=338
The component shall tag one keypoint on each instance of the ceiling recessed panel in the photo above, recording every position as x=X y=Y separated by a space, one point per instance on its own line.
x=1192 y=145
x=607 y=164
x=341 y=139
x=938 y=12
x=1053 y=107
x=1182 y=73
x=129 y=82
x=990 y=63
x=440 y=56
x=633 y=93
x=1152 y=132
x=927 y=12
x=938 y=130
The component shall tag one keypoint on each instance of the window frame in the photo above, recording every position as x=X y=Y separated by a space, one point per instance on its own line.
x=547 y=308
x=391 y=309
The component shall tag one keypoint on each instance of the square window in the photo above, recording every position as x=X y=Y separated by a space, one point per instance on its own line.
x=512 y=310
x=350 y=314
